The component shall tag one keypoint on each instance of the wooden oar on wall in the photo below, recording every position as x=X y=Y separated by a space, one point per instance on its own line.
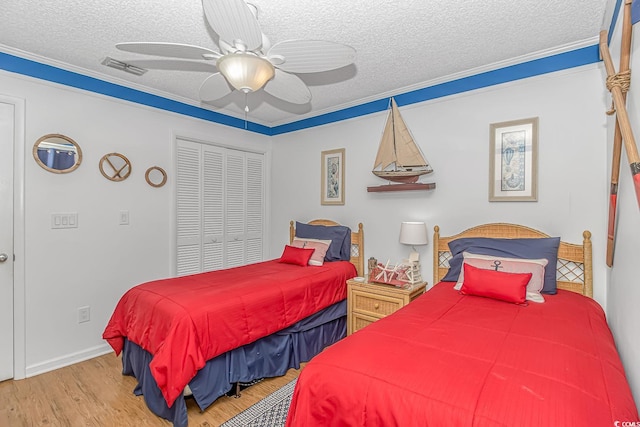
x=625 y=56
x=621 y=114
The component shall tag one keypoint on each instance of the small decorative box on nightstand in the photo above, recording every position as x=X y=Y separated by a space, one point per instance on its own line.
x=368 y=302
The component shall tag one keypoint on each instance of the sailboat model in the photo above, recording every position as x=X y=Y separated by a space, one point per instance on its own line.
x=399 y=159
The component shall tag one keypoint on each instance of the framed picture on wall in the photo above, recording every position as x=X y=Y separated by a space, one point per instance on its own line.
x=332 y=192
x=513 y=161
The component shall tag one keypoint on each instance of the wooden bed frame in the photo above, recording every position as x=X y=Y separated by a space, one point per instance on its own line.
x=357 y=241
x=574 y=270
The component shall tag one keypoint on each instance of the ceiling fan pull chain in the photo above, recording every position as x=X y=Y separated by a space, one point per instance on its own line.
x=246 y=110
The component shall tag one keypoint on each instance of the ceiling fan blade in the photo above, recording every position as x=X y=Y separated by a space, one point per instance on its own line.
x=311 y=56
x=214 y=87
x=233 y=21
x=172 y=50
x=174 y=65
x=288 y=87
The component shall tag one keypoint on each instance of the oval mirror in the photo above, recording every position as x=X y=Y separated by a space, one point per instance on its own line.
x=57 y=153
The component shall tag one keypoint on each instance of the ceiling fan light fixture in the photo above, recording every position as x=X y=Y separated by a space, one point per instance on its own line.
x=245 y=72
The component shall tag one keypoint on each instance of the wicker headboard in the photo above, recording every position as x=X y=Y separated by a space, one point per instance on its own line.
x=574 y=268
x=357 y=241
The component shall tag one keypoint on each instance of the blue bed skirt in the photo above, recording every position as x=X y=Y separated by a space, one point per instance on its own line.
x=270 y=356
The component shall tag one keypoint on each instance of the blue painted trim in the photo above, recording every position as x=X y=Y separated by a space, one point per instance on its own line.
x=68 y=78
x=635 y=12
x=614 y=19
x=562 y=61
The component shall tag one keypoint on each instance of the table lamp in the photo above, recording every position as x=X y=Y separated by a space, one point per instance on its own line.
x=414 y=234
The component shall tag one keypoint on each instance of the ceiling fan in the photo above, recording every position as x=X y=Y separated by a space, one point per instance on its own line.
x=247 y=62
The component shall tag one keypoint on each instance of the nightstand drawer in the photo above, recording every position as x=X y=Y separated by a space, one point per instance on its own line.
x=375 y=305
x=362 y=320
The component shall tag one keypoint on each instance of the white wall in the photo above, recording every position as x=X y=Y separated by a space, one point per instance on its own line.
x=623 y=293
x=453 y=133
x=96 y=263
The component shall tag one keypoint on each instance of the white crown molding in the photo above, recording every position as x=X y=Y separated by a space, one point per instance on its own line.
x=429 y=83
x=104 y=77
x=451 y=77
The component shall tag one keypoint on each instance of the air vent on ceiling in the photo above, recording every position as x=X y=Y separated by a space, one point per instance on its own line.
x=119 y=65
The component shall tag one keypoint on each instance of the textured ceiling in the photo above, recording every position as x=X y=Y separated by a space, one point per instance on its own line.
x=401 y=45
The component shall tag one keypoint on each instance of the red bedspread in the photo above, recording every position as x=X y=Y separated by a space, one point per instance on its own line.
x=453 y=360
x=185 y=321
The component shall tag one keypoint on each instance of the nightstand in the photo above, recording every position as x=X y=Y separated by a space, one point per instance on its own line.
x=368 y=302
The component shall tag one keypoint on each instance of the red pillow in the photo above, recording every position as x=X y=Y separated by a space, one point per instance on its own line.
x=297 y=256
x=510 y=287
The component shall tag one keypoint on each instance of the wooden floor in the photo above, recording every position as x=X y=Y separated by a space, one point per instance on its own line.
x=95 y=393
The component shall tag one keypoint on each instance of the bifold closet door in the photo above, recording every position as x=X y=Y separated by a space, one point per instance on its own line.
x=220 y=207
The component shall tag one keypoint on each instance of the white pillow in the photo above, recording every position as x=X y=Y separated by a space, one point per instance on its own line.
x=509 y=265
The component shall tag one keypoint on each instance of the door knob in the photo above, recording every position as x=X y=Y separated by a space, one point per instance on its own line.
x=3 y=257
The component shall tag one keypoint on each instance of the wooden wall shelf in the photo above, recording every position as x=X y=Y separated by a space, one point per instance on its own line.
x=402 y=187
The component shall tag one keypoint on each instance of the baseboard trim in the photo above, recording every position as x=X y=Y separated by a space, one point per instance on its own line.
x=70 y=359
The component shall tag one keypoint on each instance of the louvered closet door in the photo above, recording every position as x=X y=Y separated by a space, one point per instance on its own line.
x=188 y=208
x=254 y=195
x=244 y=208
x=220 y=207
x=213 y=207
x=235 y=211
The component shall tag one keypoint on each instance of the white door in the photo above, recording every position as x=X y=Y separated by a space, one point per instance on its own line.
x=6 y=240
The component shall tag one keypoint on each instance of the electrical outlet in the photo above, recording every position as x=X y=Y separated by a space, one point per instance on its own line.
x=84 y=314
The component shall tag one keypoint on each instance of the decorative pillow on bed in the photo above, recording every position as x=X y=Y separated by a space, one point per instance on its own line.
x=509 y=265
x=510 y=287
x=320 y=246
x=297 y=256
x=340 y=236
x=546 y=247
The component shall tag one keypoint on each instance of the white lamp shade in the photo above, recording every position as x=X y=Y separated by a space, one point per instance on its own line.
x=244 y=71
x=413 y=233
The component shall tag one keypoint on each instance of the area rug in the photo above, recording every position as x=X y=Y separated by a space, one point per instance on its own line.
x=269 y=412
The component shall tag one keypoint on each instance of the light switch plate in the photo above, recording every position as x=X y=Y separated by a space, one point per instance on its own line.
x=124 y=217
x=64 y=220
